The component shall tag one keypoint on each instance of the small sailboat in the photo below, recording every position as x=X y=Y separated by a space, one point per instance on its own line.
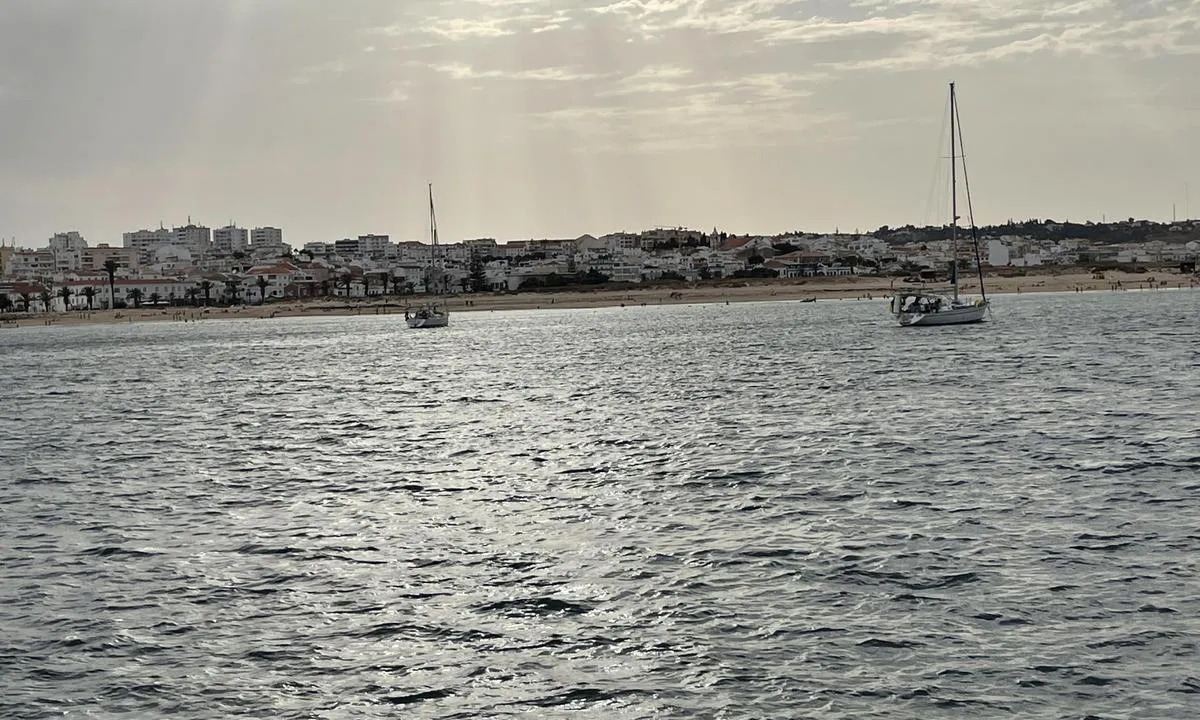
x=430 y=315
x=922 y=307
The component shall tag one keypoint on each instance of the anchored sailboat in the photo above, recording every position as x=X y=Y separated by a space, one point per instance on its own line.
x=919 y=307
x=430 y=315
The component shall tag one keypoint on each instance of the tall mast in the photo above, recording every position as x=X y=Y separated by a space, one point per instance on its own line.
x=953 y=201
x=433 y=235
x=970 y=206
x=432 y=219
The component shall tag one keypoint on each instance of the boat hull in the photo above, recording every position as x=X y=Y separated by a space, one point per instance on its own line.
x=428 y=322
x=948 y=316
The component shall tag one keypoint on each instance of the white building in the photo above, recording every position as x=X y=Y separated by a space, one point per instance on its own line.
x=615 y=242
x=411 y=251
x=267 y=242
x=145 y=242
x=266 y=236
x=231 y=239
x=93 y=259
x=275 y=278
x=319 y=250
x=196 y=238
x=998 y=253
x=24 y=263
x=373 y=246
x=68 y=248
x=160 y=290
x=481 y=247
x=67 y=241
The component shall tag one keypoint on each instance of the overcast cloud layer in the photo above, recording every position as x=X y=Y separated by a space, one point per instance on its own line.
x=551 y=118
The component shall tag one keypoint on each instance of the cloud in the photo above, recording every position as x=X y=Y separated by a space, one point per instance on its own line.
x=930 y=32
x=479 y=19
x=461 y=71
x=667 y=108
x=667 y=79
x=660 y=73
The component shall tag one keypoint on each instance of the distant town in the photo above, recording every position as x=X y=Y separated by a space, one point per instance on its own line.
x=195 y=265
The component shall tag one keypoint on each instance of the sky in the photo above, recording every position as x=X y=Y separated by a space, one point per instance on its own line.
x=555 y=118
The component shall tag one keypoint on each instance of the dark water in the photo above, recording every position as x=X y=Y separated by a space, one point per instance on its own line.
x=763 y=510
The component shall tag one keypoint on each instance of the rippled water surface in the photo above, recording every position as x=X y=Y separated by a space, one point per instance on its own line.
x=774 y=510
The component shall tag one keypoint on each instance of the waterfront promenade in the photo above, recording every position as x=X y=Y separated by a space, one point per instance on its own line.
x=747 y=290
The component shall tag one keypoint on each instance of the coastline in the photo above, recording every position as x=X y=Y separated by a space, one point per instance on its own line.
x=747 y=290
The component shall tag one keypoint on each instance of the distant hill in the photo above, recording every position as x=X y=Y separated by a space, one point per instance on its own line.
x=1113 y=233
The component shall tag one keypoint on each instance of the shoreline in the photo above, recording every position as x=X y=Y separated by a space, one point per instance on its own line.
x=747 y=290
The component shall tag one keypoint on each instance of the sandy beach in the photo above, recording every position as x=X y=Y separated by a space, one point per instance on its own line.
x=749 y=290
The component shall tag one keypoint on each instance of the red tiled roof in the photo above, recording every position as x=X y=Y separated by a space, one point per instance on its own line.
x=98 y=283
x=19 y=287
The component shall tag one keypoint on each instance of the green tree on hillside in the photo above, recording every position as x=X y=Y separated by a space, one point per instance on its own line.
x=478 y=277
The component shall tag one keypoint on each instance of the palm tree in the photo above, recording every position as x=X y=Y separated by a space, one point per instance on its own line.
x=26 y=298
x=136 y=296
x=366 y=284
x=5 y=302
x=262 y=289
x=346 y=278
x=65 y=293
x=110 y=267
x=45 y=296
x=154 y=298
x=206 y=288
x=231 y=290
x=192 y=294
x=325 y=288
x=89 y=292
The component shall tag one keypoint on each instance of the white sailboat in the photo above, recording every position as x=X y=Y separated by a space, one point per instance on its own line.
x=430 y=315
x=922 y=307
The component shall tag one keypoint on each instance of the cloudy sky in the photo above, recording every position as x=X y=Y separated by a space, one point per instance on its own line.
x=551 y=118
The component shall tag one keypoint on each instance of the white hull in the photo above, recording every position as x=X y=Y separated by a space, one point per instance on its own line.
x=921 y=307
x=947 y=316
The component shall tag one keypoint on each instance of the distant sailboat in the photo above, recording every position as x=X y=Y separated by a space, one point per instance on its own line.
x=919 y=307
x=430 y=315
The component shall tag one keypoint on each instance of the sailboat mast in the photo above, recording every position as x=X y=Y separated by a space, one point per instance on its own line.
x=953 y=200
x=432 y=219
x=433 y=237
x=970 y=208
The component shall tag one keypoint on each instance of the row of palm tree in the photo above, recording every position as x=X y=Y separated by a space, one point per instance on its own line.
x=204 y=289
x=46 y=295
